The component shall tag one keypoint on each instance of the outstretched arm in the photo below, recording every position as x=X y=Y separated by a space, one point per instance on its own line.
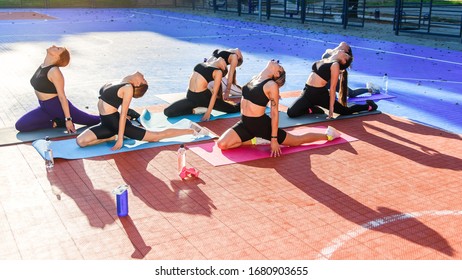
x=334 y=74
x=127 y=95
x=57 y=78
x=231 y=76
x=274 y=103
x=217 y=75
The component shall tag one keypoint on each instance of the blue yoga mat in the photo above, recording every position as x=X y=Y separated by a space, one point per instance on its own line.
x=158 y=121
x=69 y=149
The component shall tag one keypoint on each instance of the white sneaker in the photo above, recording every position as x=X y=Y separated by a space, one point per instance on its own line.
x=199 y=130
x=367 y=94
x=199 y=110
x=260 y=141
x=235 y=91
x=332 y=133
x=373 y=88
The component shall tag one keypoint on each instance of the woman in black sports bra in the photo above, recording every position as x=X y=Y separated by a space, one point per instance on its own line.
x=54 y=110
x=256 y=94
x=115 y=125
x=199 y=95
x=233 y=58
x=370 y=87
x=320 y=89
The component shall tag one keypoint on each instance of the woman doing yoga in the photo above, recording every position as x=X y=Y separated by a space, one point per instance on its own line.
x=256 y=94
x=320 y=89
x=199 y=95
x=54 y=110
x=115 y=125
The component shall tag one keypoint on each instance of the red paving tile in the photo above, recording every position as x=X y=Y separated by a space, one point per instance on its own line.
x=393 y=195
x=349 y=201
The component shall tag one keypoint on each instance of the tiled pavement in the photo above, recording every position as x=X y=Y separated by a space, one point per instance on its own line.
x=394 y=194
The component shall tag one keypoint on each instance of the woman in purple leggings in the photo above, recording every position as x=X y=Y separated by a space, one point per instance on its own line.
x=54 y=109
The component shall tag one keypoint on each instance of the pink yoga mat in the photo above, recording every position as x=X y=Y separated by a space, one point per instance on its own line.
x=211 y=153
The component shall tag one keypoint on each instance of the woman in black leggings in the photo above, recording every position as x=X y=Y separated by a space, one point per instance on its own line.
x=320 y=89
x=370 y=87
x=233 y=58
x=256 y=94
x=115 y=125
x=200 y=96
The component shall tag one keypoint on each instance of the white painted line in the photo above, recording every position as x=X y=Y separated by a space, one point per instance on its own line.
x=338 y=242
x=259 y=31
x=302 y=38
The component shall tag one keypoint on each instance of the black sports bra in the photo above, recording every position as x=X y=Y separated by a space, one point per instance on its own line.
x=40 y=81
x=255 y=93
x=323 y=71
x=223 y=54
x=206 y=71
x=108 y=93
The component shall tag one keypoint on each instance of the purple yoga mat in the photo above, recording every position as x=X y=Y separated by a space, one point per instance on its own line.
x=374 y=97
x=288 y=101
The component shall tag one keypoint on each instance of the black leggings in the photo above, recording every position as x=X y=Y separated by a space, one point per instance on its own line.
x=250 y=127
x=199 y=99
x=109 y=127
x=351 y=92
x=313 y=96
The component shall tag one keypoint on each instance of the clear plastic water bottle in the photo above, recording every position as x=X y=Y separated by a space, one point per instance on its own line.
x=181 y=158
x=49 y=161
x=385 y=83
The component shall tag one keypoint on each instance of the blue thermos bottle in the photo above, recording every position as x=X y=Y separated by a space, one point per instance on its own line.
x=121 y=193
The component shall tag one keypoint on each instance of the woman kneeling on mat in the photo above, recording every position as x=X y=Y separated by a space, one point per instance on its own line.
x=256 y=94
x=54 y=110
x=320 y=89
x=200 y=96
x=115 y=125
x=233 y=58
x=370 y=87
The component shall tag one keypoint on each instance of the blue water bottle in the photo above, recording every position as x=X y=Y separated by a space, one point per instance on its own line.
x=121 y=193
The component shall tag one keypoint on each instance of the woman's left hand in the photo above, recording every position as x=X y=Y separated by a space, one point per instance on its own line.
x=70 y=127
x=205 y=117
x=275 y=149
x=226 y=94
x=118 y=144
x=330 y=116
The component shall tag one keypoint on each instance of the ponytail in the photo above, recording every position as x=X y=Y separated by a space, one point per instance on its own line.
x=140 y=90
x=64 y=59
x=343 y=92
x=234 y=77
x=282 y=78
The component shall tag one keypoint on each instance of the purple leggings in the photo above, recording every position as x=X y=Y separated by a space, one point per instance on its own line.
x=43 y=116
